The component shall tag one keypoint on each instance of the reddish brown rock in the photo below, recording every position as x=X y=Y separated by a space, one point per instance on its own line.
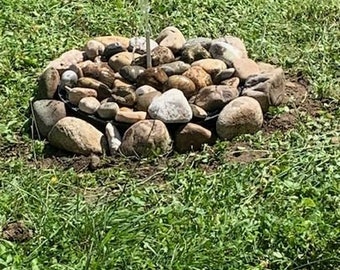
x=199 y=76
x=182 y=83
x=155 y=77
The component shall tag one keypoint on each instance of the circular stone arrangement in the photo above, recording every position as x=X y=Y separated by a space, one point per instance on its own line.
x=105 y=99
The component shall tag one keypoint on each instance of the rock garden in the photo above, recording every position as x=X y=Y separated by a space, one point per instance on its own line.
x=111 y=96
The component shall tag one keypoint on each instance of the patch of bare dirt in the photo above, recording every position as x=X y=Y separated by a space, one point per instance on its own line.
x=297 y=100
x=243 y=153
x=16 y=231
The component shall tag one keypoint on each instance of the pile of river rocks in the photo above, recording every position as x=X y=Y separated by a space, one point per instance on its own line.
x=197 y=90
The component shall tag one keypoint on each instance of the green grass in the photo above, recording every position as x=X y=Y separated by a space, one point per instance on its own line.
x=196 y=211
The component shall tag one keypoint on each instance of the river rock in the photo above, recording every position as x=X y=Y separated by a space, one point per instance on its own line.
x=125 y=96
x=191 y=137
x=89 y=105
x=182 y=83
x=121 y=83
x=106 y=76
x=238 y=44
x=223 y=75
x=47 y=113
x=146 y=137
x=266 y=88
x=103 y=91
x=112 y=49
x=138 y=45
x=107 y=40
x=232 y=82
x=193 y=53
x=66 y=60
x=245 y=67
x=48 y=83
x=144 y=89
x=122 y=59
x=175 y=68
x=172 y=38
x=155 y=77
x=198 y=112
x=160 y=55
x=94 y=48
x=203 y=41
x=69 y=78
x=199 y=76
x=108 y=110
x=89 y=69
x=75 y=94
x=225 y=52
x=171 y=107
x=144 y=100
x=243 y=115
x=215 y=97
x=211 y=66
x=77 y=136
x=261 y=98
x=130 y=117
x=113 y=137
x=130 y=73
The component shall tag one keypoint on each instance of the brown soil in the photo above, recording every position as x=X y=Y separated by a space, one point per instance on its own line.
x=243 y=153
x=16 y=232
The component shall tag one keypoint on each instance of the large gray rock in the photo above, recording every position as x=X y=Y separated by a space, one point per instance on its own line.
x=171 y=107
x=243 y=115
x=77 y=136
x=146 y=137
x=266 y=88
x=215 y=97
x=47 y=113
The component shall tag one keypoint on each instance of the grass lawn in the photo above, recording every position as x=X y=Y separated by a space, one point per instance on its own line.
x=194 y=211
